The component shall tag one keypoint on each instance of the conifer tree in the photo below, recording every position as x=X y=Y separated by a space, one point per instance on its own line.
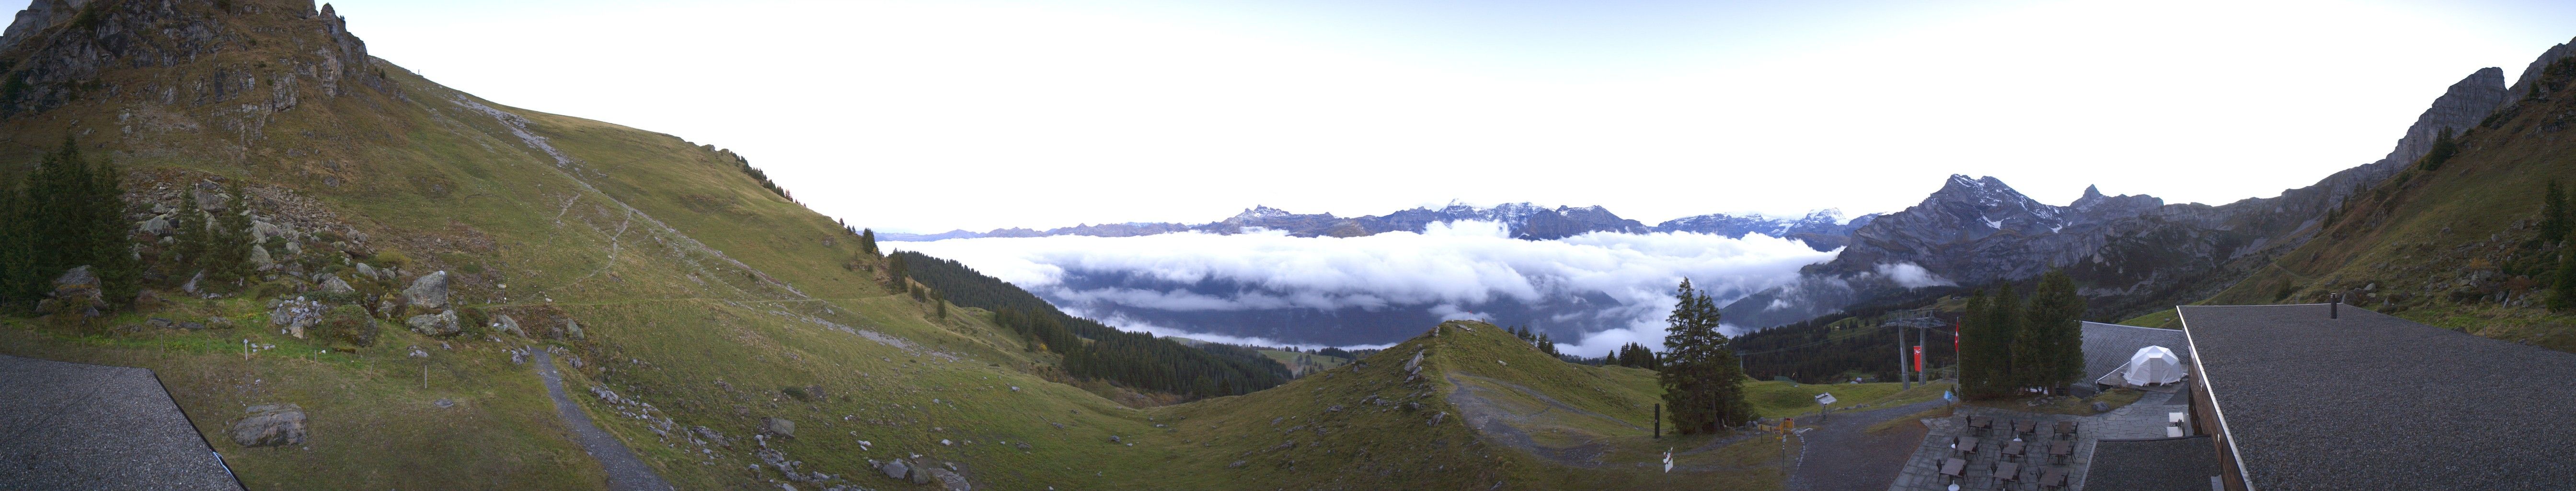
x=2553 y=214
x=1701 y=381
x=18 y=284
x=2052 y=339
x=228 y=243
x=2562 y=293
x=868 y=242
x=68 y=214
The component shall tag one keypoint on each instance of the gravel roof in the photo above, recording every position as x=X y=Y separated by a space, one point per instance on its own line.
x=2107 y=346
x=2176 y=464
x=77 y=426
x=2371 y=401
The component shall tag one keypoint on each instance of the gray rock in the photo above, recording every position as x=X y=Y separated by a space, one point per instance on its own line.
x=192 y=326
x=259 y=258
x=511 y=326
x=572 y=329
x=294 y=248
x=191 y=286
x=1435 y=419
x=219 y=323
x=430 y=291
x=210 y=199
x=159 y=323
x=295 y=315
x=367 y=271
x=270 y=425
x=778 y=426
x=2101 y=407
x=894 y=469
x=950 y=480
x=440 y=324
x=260 y=231
x=333 y=284
x=157 y=226
x=920 y=474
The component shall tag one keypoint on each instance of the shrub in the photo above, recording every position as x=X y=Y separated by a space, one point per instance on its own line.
x=390 y=257
x=269 y=289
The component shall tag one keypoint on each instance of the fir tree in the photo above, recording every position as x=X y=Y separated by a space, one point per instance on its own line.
x=2562 y=294
x=2053 y=336
x=228 y=243
x=2553 y=214
x=1701 y=381
x=868 y=242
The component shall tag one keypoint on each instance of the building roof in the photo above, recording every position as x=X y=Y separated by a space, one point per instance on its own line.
x=2370 y=401
x=2107 y=346
x=2162 y=464
x=77 y=426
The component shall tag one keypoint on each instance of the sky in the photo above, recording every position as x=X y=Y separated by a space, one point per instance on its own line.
x=932 y=115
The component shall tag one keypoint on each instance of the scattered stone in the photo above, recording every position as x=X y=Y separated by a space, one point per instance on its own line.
x=335 y=285
x=1435 y=419
x=192 y=325
x=1237 y=464
x=270 y=425
x=367 y=271
x=894 y=469
x=157 y=226
x=295 y=315
x=260 y=259
x=778 y=426
x=159 y=323
x=444 y=403
x=950 y=480
x=1024 y=446
x=509 y=325
x=76 y=292
x=219 y=323
x=2101 y=407
x=572 y=329
x=430 y=291
x=1335 y=409
x=440 y=324
x=920 y=474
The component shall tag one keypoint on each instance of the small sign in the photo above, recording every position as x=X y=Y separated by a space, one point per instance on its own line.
x=1827 y=398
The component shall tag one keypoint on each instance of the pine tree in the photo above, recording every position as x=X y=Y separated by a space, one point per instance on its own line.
x=940 y=303
x=67 y=215
x=868 y=242
x=895 y=271
x=188 y=244
x=18 y=276
x=2553 y=214
x=2053 y=336
x=229 y=243
x=2562 y=294
x=1701 y=381
x=2443 y=149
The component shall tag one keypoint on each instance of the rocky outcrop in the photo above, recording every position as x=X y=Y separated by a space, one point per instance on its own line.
x=439 y=324
x=778 y=427
x=2522 y=84
x=270 y=425
x=66 y=50
x=335 y=285
x=430 y=291
x=39 y=15
x=2129 y=251
x=76 y=293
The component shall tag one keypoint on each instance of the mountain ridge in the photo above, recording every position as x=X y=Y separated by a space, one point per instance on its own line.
x=1822 y=230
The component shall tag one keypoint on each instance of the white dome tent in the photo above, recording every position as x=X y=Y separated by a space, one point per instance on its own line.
x=2152 y=365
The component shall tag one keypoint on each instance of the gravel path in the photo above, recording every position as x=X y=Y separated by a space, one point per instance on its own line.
x=625 y=472
x=1841 y=453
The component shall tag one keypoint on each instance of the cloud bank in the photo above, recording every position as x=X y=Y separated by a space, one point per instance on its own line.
x=1593 y=292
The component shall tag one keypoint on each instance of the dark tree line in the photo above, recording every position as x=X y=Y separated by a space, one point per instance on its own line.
x=2008 y=343
x=1824 y=349
x=1634 y=355
x=65 y=213
x=1535 y=339
x=744 y=164
x=1092 y=350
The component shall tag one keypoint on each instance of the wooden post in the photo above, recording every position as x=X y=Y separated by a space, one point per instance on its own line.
x=1659 y=421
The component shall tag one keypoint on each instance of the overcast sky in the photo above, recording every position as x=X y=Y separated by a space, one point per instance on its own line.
x=939 y=114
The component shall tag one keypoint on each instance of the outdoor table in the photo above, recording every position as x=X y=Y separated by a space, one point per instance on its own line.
x=2061 y=450
x=2053 y=478
x=2025 y=427
x=2014 y=449
x=1981 y=423
x=2008 y=471
x=1954 y=468
x=1967 y=445
x=2066 y=428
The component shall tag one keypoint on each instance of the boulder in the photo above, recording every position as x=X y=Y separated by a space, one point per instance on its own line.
x=950 y=480
x=192 y=326
x=76 y=293
x=367 y=271
x=430 y=291
x=270 y=425
x=219 y=323
x=440 y=324
x=2101 y=407
x=209 y=199
x=780 y=427
x=191 y=286
x=894 y=469
x=572 y=329
x=335 y=285
x=259 y=258
x=260 y=231
x=160 y=323
x=295 y=315
x=511 y=326
x=920 y=474
x=158 y=226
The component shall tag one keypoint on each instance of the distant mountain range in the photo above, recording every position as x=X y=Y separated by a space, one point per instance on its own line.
x=2132 y=253
x=1823 y=230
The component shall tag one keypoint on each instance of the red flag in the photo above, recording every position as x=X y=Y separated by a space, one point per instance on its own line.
x=1918 y=358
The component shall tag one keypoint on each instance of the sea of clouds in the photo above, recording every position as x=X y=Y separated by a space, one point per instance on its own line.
x=1591 y=292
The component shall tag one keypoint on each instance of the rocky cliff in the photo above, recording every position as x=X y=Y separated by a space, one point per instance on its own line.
x=2129 y=252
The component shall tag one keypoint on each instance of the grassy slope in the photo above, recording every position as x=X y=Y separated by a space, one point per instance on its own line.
x=2446 y=247
x=1289 y=359
x=708 y=335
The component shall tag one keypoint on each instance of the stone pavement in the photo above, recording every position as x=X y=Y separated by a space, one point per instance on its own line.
x=80 y=426
x=2143 y=419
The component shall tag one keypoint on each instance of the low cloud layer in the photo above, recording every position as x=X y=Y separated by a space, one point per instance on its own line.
x=1593 y=292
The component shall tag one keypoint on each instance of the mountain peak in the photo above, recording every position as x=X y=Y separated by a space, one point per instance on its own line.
x=1258 y=212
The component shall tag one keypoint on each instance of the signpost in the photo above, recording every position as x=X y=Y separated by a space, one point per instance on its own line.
x=1821 y=401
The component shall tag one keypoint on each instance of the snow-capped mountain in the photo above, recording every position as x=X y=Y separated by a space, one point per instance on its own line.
x=1823 y=230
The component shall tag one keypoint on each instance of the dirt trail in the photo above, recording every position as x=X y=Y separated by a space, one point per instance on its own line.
x=625 y=472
